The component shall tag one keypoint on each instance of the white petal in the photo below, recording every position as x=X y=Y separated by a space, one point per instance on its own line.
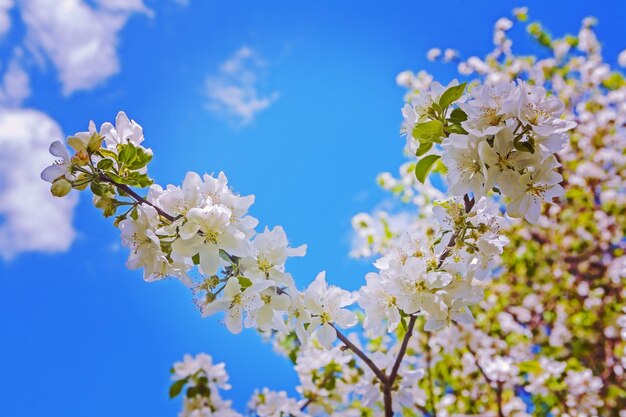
x=53 y=172
x=326 y=335
x=233 y=320
x=210 y=260
x=58 y=149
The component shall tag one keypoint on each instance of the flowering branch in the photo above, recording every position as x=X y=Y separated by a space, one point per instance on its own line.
x=495 y=147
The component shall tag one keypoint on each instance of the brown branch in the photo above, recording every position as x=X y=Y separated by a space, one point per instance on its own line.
x=388 y=384
x=380 y=374
x=388 y=402
x=405 y=343
x=499 y=398
x=314 y=396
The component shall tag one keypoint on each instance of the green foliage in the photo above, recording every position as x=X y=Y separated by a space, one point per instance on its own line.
x=105 y=164
x=451 y=95
x=177 y=387
x=524 y=143
x=244 y=282
x=423 y=166
x=457 y=116
x=430 y=131
x=614 y=82
x=536 y=31
x=424 y=148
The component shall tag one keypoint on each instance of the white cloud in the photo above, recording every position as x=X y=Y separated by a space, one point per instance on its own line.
x=233 y=92
x=30 y=218
x=15 y=86
x=80 y=40
x=5 y=20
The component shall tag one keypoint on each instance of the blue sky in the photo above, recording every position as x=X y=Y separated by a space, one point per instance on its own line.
x=81 y=335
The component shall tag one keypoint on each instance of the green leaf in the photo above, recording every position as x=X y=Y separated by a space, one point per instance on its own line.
x=330 y=384
x=144 y=181
x=532 y=367
x=192 y=392
x=107 y=154
x=196 y=259
x=430 y=131
x=95 y=143
x=614 y=81
x=439 y=168
x=203 y=390
x=451 y=95
x=119 y=219
x=525 y=146
x=244 y=282
x=457 y=116
x=134 y=179
x=225 y=256
x=105 y=164
x=536 y=30
x=424 y=165
x=423 y=148
x=177 y=387
x=456 y=128
x=436 y=107
x=544 y=39
x=141 y=159
x=127 y=153
x=98 y=188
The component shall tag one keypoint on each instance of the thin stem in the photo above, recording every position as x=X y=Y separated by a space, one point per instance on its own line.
x=405 y=343
x=388 y=385
x=499 y=398
x=468 y=204
x=136 y=197
x=388 y=402
x=314 y=396
x=307 y=403
x=380 y=374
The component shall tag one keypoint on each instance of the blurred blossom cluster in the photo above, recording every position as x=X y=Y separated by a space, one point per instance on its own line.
x=549 y=336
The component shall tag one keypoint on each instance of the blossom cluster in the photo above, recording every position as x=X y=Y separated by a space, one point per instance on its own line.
x=201 y=233
x=548 y=337
x=202 y=381
x=501 y=138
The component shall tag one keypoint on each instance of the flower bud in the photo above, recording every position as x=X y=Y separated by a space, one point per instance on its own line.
x=95 y=143
x=107 y=203
x=80 y=158
x=61 y=187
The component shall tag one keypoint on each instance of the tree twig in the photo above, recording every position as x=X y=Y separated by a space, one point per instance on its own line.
x=136 y=196
x=377 y=371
